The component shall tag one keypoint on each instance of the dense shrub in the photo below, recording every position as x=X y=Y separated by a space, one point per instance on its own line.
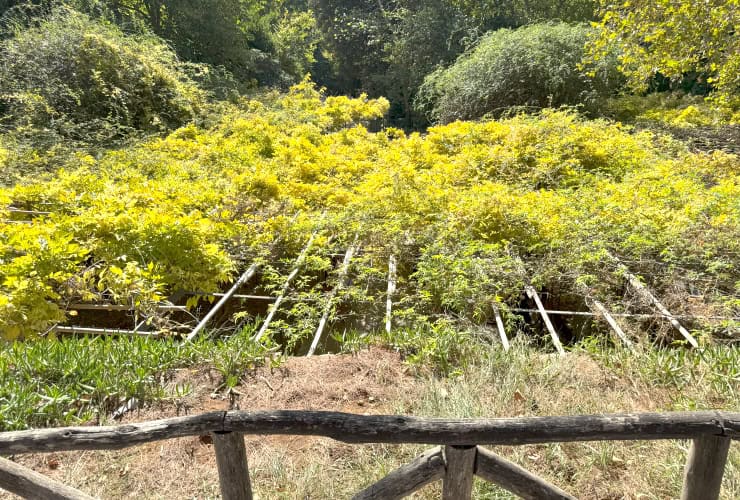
x=471 y=211
x=86 y=81
x=537 y=66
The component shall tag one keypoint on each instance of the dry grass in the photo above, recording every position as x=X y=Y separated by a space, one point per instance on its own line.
x=521 y=382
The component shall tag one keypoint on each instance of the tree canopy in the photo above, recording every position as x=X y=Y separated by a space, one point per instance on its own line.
x=673 y=38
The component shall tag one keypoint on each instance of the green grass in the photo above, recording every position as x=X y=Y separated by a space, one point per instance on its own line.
x=72 y=380
x=458 y=374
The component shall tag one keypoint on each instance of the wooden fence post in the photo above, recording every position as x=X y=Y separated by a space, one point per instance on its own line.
x=705 y=468
x=233 y=471
x=458 y=480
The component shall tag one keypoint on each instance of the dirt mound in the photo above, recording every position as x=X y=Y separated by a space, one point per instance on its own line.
x=367 y=382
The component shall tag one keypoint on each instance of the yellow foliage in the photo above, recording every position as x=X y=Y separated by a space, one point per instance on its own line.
x=531 y=199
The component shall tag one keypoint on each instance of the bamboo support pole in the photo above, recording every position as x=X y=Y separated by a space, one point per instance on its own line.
x=248 y=274
x=500 y=327
x=532 y=293
x=330 y=300
x=555 y=312
x=459 y=470
x=705 y=467
x=284 y=291
x=407 y=479
x=233 y=469
x=391 y=292
x=30 y=484
x=515 y=479
x=603 y=311
x=643 y=291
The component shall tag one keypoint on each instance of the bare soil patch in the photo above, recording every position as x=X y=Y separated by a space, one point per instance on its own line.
x=368 y=382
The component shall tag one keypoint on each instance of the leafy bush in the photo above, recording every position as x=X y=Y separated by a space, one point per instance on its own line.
x=535 y=66
x=86 y=81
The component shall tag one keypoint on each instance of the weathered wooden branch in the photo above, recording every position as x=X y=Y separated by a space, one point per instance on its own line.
x=515 y=479
x=248 y=274
x=330 y=299
x=705 y=468
x=233 y=470
x=383 y=429
x=391 y=291
x=532 y=293
x=30 y=484
x=286 y=286
x=407 y=479
x=643 y=291
x=460 y=467
x=604 y=312
x=500 y=327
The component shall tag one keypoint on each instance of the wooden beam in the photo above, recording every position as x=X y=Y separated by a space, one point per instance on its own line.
x=515 y=479
x=330 y=300
x=407 y=479
x=532 y=293
x=80 y=330
x=118 y=307
x=235 y=296
x=460 y=467
x=643 y=291
x=30 y=484
x=500 y=327
x=604 y=312
x=248 y=274
x=233 y=470
x=284 y=291
x=391 y=291
x=383 y=429
x=705 y=468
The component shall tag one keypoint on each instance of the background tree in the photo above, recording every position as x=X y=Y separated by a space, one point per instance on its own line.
x=534 y=66
x=673 y=38
x=84 y=81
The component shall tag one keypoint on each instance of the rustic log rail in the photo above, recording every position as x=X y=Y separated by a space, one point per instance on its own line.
x=455 y=462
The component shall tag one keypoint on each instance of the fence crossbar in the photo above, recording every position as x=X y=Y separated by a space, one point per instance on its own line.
x=353 y=428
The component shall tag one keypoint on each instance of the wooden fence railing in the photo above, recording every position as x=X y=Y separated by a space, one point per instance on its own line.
x=455 y=462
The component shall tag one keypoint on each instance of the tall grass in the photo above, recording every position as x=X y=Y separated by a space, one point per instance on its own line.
x=72 y=380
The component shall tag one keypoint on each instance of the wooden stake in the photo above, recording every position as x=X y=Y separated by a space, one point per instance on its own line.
x=330 y=300
x=458 y=480
x=500 y=327
x=286 y=286
x=233 y=470
x=532 y=294
x=600 y=309
x=391 y=291
x=705 y=468
x=514 y=478
x=645 y=293
x=405 y=480
x=30 y=484
x=248 y=274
